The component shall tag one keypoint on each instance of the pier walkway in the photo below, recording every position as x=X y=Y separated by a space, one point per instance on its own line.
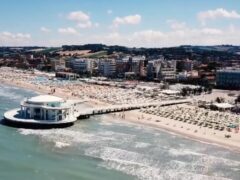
x=83 y=114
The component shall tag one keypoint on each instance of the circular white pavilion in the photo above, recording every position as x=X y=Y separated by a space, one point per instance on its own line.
x=42 y=110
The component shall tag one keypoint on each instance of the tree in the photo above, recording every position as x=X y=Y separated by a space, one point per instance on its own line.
x=220 y=100
x=184 y=92
x=237 y=100
x=200 y=90
x=210 y=90
x=194 y=91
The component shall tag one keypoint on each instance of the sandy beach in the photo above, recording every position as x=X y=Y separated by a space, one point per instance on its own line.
x=190 y=131
x=99 y=96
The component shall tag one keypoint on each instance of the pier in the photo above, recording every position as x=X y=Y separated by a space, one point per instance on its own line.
x=36 y=120
x=84 y=114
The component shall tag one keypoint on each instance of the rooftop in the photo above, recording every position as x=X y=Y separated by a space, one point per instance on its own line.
x=229 y=70
x=170 y=92
x=44 y=99
x=223 y=105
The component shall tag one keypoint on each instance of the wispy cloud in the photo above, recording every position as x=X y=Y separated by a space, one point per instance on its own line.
x=174 y=24
x=78 y=16
x=131 y=20
x=82 y=19
x=13 y=39
x=45 y=30
x=10 y=35
x=68 y=31
x=217 y=13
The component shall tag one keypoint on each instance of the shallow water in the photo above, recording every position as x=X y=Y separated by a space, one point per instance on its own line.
x=99 y=149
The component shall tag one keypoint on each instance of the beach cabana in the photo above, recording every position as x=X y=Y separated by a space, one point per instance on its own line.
x=223 y=106
x=171 y=92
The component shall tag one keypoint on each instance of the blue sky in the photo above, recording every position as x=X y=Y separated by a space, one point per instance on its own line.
x=150 y=23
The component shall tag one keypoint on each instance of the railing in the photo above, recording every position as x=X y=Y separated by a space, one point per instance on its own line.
x=118 y=108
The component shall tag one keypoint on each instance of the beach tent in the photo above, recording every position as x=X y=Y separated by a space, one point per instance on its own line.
x=170 y=92
x=223 y=106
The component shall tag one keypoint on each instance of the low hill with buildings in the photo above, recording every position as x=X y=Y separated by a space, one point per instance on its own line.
x=186 y=64
x=216 y=53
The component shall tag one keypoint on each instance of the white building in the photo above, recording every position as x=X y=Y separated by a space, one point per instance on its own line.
x=161 y=69
x=83 y=65
x=58 y=64
x=153 y=69
x=129 y=64
x=107 y=67
x=168 y=70
x=228 y=78
x=45 y=108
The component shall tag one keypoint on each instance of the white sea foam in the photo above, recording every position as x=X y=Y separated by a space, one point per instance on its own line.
x=10 y=95
x=110 y=147
x=202 y=159
x=106 y=123
x=144 y=171
x=183 y=152
x=119 y=155
x=210 y=160
x=128 y=162
x=141 y=145
x=141 y=172
x=144 y=167
x=118 y=135
x=67 y=136
x=139 y=165
x=60 y=145
x=11 y=92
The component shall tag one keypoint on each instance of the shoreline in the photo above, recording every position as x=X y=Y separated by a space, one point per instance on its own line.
x=189 y=136
x=179 y=133
x=132 y=117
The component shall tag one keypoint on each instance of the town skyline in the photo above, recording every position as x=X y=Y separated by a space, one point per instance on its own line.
x=130 y=89
x=155 y=24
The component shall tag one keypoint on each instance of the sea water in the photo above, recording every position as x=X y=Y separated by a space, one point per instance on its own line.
x=99 y=149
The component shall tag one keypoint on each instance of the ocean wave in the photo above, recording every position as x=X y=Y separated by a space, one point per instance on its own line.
x=118 y=155
x=210 y=160
x=115 y=134
x=67 y=136
x=60 y=145
x=126 y=152
x=7 y=93
x=143 y=172
x=143 y=167
x=106 y=123
x=10 y=95
x=141 y=145
x=183 y=152
x=201 y=159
